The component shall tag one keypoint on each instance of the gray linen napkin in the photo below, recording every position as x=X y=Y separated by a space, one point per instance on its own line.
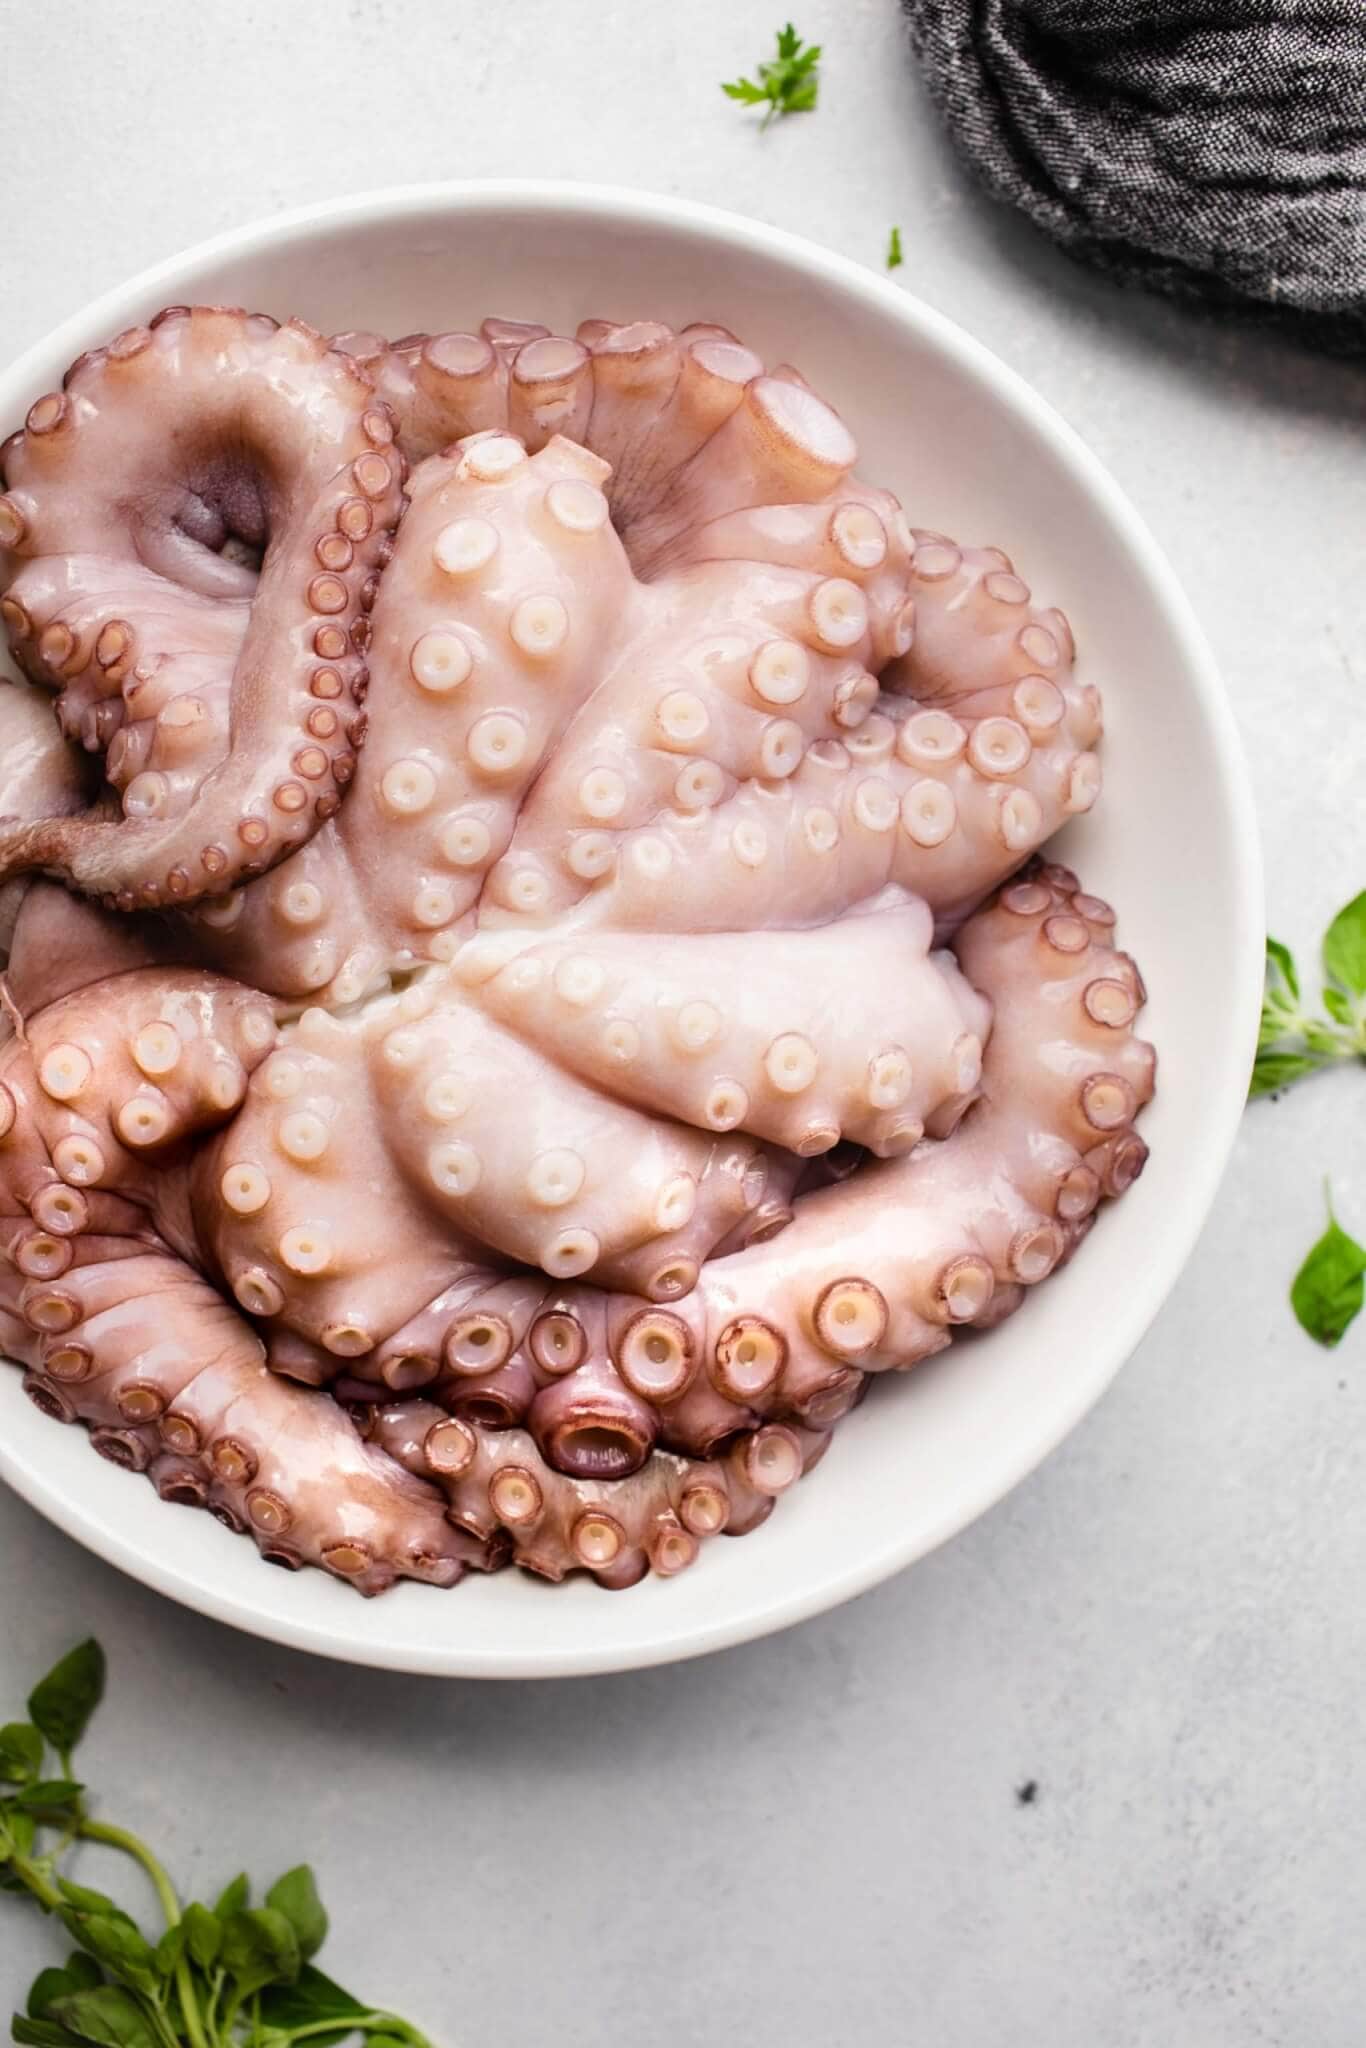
x=1215 y=151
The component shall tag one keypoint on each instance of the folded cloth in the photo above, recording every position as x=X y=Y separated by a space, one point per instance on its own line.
x=1215 y=151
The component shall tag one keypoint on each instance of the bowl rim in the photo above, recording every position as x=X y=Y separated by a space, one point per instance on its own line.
x=1225 y=1096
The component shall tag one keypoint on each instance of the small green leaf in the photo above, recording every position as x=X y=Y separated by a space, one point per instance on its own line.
x=117 y=1943
x=50 y=1795
x=1339 y=1007
x=53 y=1983
x=42 y=2033
x=1274 y=1070
x=296 y=1896
x=47 y=1985
x=894 y=256
x=260 y=1947
x=314 y=1997
x=61 y=1704
x=1344 y=946
x=170 y=1948
x=84 y=1900
x=1328 y=1290
x=203 y=1934
x=108 y=2016
x=21 y=1752
x=746 y=91
x=1280 y=959
x=21 y=1826
x=233 y=1897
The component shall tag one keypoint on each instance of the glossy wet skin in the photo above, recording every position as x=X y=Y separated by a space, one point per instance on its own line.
x=515 y=1117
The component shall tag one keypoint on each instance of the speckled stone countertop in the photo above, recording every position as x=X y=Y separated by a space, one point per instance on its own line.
x=825 y=1837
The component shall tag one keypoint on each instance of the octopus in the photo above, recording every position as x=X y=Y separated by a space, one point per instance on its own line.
x=529 y=971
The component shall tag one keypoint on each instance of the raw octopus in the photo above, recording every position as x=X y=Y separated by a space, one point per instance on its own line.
x=522 y=1135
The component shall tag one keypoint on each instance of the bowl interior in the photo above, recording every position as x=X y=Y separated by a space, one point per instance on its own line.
x=968 y=448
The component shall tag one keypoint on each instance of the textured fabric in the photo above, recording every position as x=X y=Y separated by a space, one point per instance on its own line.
x=1214 y=151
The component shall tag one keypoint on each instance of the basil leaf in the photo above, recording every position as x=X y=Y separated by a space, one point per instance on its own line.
x=42 y=2033
x=19 y=1830
x=1280 y=959
x=296 y=1896
x=122 y=1947
x=1328 y=1290
x=1339 y=1006
x=21 y=1752
x=61 y=1704
x=22 y=1828
x=80 y=1974
x=1344 y=946
x=260 y=1947
x=1273 y=1070
x=84 y=1900
x=51 y=1795
x=313 y=1997
x=170 y=1949
x=203 y=1934
x=47 y=1985
x=233 y=1897
x=109 y=2017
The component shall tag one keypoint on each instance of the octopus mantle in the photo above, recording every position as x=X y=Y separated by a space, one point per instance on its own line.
x=521 y=1136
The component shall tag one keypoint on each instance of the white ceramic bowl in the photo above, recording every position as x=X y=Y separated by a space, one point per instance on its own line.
x=971 y=449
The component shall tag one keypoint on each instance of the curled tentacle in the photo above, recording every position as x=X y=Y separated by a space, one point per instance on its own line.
x=276 y=1204
x=579 y=1184
x=197 y=521
x=616 y=1529
x=852 y=1031
x=167 y=1377
x=878 y=1272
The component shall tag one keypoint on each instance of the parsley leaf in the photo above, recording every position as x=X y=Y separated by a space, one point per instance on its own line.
x=1328 y=1290
x=894 y=257
x=787 y=83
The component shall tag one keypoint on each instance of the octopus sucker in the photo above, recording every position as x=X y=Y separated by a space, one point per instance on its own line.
x=529 y=974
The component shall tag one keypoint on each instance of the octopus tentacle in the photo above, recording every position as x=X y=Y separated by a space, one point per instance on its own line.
x=139 y=502
x=488 y=631
x=275 y=1199
x=169 y=1379
x=854 y=1030
x=879 y=1272
x=582 y=1184
x=614 y=1529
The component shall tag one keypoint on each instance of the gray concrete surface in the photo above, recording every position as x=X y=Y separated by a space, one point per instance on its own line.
x=817 y=1839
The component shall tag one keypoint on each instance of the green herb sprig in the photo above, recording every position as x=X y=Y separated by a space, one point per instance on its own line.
x=1292 y=1042
x=894 y=256
x=230 y=1975
x=787 y=84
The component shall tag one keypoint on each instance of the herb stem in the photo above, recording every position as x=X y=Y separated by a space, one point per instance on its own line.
x=132 y=1845
x=364 y=2023
x=26 y=1869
